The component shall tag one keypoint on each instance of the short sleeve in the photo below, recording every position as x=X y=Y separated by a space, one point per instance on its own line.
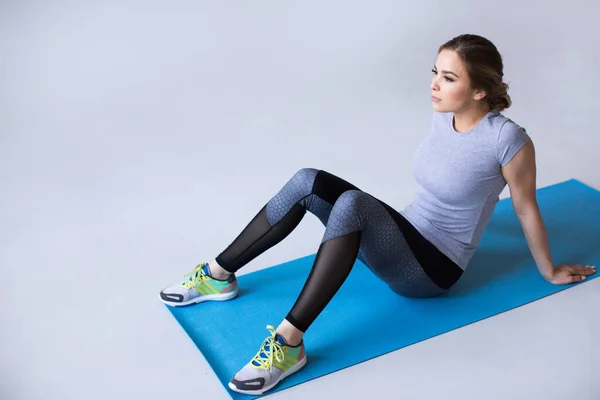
x=510 y=140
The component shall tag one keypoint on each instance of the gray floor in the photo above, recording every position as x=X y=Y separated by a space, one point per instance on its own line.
x=138 y=138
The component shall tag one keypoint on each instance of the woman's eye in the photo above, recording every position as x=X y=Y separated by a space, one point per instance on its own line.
x=446 y=78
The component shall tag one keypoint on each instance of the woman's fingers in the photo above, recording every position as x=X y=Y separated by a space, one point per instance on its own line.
x=579 y=273
x=572 y=273
x=585 y=270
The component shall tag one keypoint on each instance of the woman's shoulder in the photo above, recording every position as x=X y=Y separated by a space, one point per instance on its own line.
x=509 y=129
x=502 y=127
x=511 y=137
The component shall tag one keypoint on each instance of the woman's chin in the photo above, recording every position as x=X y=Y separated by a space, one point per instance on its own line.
x=437 y=107
x=441 y=108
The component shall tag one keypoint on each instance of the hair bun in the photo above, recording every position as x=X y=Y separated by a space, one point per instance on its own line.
x=502 y=100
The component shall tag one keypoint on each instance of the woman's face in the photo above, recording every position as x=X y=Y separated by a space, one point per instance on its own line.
x=450 y=85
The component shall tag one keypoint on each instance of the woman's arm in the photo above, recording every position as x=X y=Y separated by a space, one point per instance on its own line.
x=520 y=174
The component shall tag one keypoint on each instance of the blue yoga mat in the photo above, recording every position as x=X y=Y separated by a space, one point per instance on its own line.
x=501 y=276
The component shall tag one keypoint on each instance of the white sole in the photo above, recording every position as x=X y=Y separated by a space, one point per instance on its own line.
x=201 y=298
x=287 y=373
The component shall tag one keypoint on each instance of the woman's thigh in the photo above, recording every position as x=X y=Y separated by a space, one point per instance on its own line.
x=384 y=249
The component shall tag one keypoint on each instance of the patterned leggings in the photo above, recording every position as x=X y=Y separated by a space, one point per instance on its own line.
x=357 y=226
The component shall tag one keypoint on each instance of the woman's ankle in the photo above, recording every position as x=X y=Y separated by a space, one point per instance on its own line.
x=292 y=335
x=217 y=272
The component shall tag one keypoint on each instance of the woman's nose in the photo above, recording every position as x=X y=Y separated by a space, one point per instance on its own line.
x=434 y=84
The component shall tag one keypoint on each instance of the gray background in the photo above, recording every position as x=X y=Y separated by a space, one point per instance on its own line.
x=137 y=138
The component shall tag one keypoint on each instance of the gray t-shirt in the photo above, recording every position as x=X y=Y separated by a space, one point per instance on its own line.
x=459 y=180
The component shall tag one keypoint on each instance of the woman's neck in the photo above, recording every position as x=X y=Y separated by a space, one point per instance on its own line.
x=466 y=120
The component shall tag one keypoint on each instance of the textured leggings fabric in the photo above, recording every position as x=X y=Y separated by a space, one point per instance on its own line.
x=357 y=225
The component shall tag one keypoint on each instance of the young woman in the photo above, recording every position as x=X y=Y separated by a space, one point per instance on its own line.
x=471 y=153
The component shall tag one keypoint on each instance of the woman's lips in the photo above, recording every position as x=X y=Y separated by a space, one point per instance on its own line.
x=435 y=99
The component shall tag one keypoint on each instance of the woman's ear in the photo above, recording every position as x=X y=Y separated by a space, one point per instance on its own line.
x=479 y=94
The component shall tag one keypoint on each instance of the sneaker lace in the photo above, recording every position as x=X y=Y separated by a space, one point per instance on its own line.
x=194 y=277
x=269 y=349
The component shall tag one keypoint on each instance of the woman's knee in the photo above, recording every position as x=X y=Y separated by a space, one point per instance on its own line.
x=352 y=202
x=298 y=187
x=347 y=214
x=300 y=184
x=305 y=177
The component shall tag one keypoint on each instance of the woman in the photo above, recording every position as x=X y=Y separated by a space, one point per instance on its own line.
x=470 y=155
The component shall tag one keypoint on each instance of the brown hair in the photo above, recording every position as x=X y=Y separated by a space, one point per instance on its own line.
x=484 y=66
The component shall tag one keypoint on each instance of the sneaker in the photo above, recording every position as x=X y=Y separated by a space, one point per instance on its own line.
x=199 y=286
x=274 y=362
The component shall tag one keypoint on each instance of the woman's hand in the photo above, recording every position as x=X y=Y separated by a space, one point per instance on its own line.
x=570 y=273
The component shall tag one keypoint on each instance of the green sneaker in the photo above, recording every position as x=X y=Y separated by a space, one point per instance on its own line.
x=274 y=362
x=199 y=286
